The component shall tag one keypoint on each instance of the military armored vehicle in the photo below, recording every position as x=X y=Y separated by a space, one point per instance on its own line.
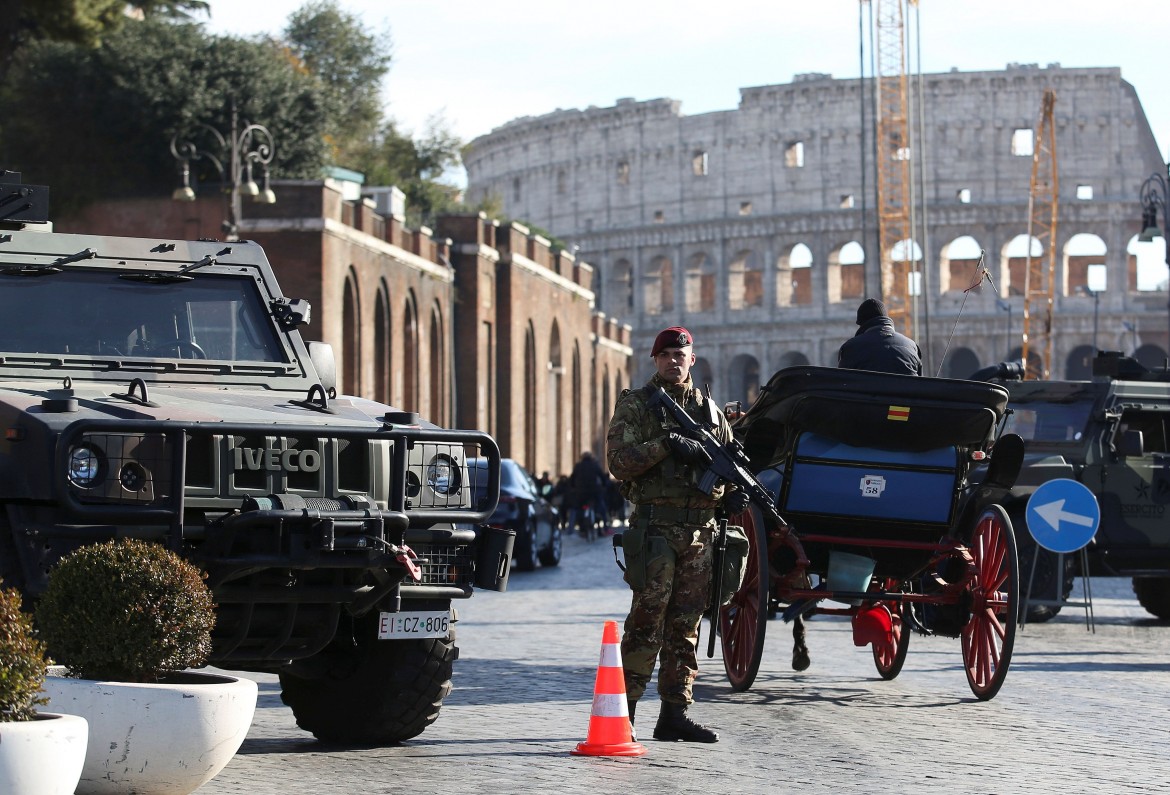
x=162 y=389
x=1110 y=434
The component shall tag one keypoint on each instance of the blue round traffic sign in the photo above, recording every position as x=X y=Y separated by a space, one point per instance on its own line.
x=1063 y=515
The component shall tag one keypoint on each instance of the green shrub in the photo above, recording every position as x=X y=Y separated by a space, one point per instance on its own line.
x=22 y=661
x=126 y=610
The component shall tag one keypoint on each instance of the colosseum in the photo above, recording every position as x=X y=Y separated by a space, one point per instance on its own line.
x=754 y=227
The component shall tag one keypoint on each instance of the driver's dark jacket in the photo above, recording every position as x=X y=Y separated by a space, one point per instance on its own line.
x=876 y=346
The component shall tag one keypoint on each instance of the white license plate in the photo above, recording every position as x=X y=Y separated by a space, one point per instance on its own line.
x=414 y=624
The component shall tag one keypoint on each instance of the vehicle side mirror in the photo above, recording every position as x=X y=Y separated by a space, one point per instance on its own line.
x=1132 y=444
x=324 y=362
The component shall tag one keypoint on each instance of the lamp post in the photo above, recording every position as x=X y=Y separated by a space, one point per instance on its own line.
x=1007 y=307
x=1155 y=193
x=241 y=150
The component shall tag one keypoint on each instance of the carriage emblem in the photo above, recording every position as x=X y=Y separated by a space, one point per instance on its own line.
x=872 y=486
x=898 y=413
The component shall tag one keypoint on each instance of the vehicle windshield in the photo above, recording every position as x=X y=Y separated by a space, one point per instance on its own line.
x=1050 y=423
x=89 y=313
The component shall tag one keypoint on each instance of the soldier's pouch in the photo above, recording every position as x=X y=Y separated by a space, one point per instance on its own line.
x=640 y=549
x=734 y=563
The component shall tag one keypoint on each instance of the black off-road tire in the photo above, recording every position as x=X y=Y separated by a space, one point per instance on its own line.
x=1153 y=593
x=1044 y=585
x=375 y=692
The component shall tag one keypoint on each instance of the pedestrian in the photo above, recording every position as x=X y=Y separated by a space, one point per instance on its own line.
x=877 y=346
x=587 y=481
x=660 y=469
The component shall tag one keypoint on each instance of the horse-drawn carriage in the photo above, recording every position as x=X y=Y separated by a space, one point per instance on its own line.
x=886 y=490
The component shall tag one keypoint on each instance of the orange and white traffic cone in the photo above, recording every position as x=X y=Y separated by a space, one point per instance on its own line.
x=610 y=733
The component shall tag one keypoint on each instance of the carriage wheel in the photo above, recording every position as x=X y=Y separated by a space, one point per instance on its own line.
x=891 y=655
x=990 y=635
x=743 y=620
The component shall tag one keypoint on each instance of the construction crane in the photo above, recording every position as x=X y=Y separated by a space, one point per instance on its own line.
x=1040 y=274
x=892 y=123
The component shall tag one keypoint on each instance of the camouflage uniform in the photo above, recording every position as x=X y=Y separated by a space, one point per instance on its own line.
x=664 y=616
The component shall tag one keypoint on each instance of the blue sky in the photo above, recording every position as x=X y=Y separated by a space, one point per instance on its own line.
x=482 y=64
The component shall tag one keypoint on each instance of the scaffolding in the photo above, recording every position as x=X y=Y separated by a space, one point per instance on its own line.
x=1040 y=272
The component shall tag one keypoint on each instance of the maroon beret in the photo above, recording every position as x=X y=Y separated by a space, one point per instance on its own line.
x=673 y=337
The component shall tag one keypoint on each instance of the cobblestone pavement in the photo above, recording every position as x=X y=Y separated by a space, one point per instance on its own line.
x=1079 y=711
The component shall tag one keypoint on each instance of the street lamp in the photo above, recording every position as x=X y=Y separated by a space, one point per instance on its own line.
x=1007 y=307
x=1095 y=277
x=242 y=149
x=1155 y=193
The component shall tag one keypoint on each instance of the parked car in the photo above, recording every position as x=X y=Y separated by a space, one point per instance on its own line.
x=523 y=509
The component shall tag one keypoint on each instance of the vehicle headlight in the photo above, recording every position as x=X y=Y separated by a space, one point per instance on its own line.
x=85 y=466
x=443 y=475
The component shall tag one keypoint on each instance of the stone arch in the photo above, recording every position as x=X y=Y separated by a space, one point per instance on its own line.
x=437 y=386
x=382 y=336
x=958 y=264
x=606 y=397
x=793 y=359
x=1013 y=263
x=1145 y=268
x=410 y=363
x=959 y=363
x=576 y=390
x=743 y=379
x=745 y=280
x=794 y=276
x=1081 y=252
x=528 y=399
x=351 y=336
x=907 y=250
x=621 y=286
x=1079 y=364
x=700 y=283
x=701 y=373
x=846 y=273
x=555 y=395
x=658 y=286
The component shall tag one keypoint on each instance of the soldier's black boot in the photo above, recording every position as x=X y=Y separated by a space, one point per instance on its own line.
x=674 y=724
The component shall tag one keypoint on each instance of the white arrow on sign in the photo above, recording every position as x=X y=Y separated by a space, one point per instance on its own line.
x=1054 y=514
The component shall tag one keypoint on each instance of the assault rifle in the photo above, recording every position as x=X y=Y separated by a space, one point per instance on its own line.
x=728 y=464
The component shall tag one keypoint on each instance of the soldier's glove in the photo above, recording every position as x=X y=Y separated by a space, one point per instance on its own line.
x=687 y=449
x=736 y=502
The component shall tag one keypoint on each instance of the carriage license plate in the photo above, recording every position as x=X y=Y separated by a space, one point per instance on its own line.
x=414 y=624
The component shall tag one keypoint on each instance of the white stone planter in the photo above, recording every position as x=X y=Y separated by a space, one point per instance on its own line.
x=42 y=756
x=156 y=739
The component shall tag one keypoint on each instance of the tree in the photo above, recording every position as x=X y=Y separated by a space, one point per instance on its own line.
x=83 y=22
x=95 y=123
x=350 y=63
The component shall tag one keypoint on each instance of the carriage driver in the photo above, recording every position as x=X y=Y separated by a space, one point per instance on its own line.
x=659 y=469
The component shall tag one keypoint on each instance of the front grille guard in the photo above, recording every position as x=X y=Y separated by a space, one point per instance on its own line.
x=168 y=509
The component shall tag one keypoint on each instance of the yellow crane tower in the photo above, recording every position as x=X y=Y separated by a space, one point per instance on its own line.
x=893 y=162
x=1040 y=274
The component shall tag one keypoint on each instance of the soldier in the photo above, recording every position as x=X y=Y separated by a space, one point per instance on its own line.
x=660 y=468
x=876 y=346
